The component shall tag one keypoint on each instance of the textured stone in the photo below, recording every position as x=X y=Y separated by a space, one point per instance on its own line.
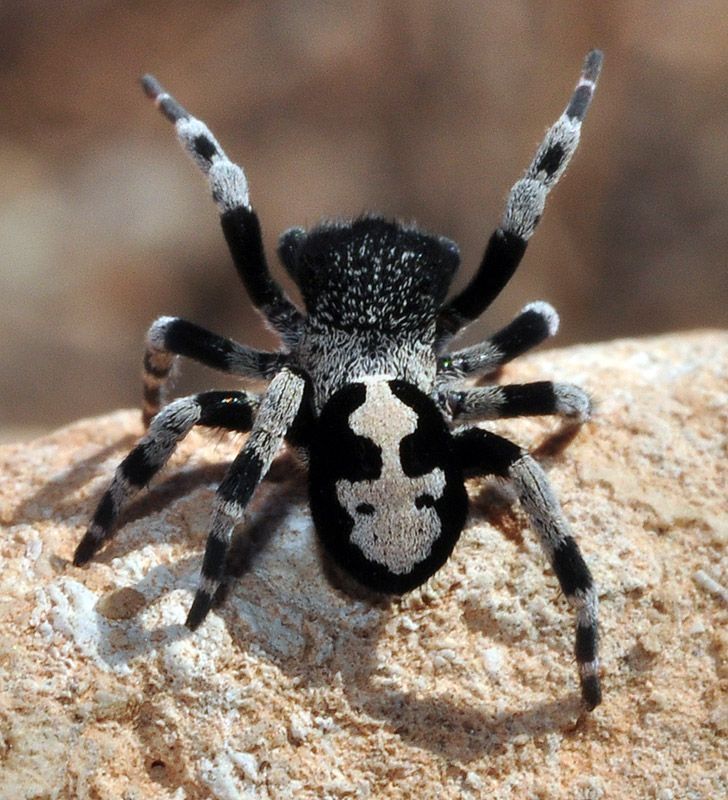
x=464 y=689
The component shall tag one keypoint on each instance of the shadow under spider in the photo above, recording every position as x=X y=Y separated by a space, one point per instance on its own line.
x=441 y=723
x=71 y=480
x=163 y=493
x=556 y=442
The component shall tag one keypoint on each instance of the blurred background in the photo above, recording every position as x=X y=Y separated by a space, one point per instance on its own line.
x=422 y=109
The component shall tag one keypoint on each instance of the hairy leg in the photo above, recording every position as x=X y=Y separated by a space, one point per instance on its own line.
x=518 y=400
x=483 y=453
x=536 y=322
x=276 y=417
x=229 y=410
x=240 y=224
x=523 y=210
x=169 y=337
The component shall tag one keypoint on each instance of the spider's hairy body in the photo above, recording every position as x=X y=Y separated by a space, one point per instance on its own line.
x=372 y=289
x=366 y=386
x=392 y=509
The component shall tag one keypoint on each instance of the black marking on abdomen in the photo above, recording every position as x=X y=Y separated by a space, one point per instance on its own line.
x=424 y=501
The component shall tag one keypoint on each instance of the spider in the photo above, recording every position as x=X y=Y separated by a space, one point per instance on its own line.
x=366 y=388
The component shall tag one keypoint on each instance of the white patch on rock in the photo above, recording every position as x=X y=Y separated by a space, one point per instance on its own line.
x=300 y=726
x=248 y=763
x=220 y=778
x=493 y=660
x=66 y=616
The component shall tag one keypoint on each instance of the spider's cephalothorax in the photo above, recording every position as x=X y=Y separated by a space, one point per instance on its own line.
x=366 y=387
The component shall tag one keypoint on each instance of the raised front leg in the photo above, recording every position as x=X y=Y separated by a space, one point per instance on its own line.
x=232 y=411
x=483 y=453
x=523 y=210
x=240 y=223
x=275 y=419
x=169 y=337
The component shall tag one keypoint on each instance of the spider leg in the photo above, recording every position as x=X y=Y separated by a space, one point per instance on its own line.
x=483 y=453
x=536 y=322
x=233 y=411
x=523 y=209
x=169 y=337
x=240 y=224
x=276 y=416
x=518 y=400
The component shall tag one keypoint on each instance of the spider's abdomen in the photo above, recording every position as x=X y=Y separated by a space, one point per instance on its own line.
x=387 y=496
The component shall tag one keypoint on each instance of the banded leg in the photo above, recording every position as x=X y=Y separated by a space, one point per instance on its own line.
x=240 y=224
x=523 y=210
x=169 y=337
x=536 y=322
x=519 y=400
x=485 y=453
x=278 y=411
x=233 y=411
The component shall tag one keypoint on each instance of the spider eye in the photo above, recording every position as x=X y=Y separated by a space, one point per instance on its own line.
x=424 y=501
x=365 y=508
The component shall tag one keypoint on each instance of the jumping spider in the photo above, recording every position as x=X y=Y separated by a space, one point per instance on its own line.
x=365 y=386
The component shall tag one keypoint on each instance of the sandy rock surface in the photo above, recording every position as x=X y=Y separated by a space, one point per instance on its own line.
x=465 y=689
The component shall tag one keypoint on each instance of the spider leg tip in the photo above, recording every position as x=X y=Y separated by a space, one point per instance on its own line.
x=169 y=107
x=198 y=610
x=591 y=692
x=85 y=550
x=547 y=312
x=582 y=96
x=593 y=65
x=152 y=87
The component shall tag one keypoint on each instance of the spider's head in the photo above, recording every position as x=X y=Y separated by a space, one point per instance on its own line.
x=370 y=273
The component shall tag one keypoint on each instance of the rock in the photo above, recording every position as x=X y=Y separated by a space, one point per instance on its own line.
x=466 y=688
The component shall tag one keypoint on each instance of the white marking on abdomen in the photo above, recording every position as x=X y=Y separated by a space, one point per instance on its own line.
x=389 y=529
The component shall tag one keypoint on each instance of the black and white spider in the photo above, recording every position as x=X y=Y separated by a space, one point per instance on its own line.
x=366 y=388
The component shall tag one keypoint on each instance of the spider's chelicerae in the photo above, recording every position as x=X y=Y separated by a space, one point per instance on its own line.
x=366 y=386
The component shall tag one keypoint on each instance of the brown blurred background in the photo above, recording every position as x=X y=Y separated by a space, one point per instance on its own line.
x=424 y=109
